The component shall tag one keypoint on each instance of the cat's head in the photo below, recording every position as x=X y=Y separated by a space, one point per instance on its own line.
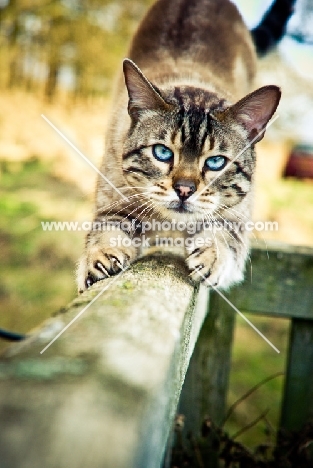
x=189 y=152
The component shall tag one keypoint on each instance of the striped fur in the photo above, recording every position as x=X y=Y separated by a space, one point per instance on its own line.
x=196 y=60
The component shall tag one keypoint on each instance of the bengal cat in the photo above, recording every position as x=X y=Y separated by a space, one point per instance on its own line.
x=180 y=144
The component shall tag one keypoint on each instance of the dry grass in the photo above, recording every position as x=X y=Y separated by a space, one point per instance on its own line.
x=287 y=201
x=24 y=134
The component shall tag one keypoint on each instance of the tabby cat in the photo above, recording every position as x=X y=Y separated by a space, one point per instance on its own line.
x=180 y=144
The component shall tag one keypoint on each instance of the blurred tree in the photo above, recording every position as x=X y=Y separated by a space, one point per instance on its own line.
x=11 y=26
x=84 y=39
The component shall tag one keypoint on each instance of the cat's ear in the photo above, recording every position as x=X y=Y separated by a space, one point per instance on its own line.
x=143 y=95
x=255 y=110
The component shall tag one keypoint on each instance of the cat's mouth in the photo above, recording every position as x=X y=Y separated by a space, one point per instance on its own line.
x=180 y=206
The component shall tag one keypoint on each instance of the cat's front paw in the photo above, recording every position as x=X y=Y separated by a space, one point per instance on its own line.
x=99 y=263
x=204 y=265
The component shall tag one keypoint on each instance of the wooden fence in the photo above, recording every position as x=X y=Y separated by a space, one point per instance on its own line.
x=104 y=394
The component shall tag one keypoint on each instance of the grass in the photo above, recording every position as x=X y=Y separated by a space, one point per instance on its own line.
x=37 y=266
x=253 y=360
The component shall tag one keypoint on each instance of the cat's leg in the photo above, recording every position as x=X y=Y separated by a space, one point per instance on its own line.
x=108 y=251
x=218 y=259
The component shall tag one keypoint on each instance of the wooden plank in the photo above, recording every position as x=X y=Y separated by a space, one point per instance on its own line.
x=281 y=285
x=104 y=394
x=205 y=388
x=297 y=407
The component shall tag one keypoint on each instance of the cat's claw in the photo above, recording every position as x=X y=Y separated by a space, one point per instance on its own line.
x=89 y=282
x=100 y=264
x=202 y=266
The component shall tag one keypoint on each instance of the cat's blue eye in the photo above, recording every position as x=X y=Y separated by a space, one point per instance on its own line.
x=215 y=163
x=162 y=153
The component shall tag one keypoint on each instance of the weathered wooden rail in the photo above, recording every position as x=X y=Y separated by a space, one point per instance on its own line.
x=104 y=394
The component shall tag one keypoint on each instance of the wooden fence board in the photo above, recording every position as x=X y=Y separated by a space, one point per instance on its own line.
x=104 y=394
x=281 y=283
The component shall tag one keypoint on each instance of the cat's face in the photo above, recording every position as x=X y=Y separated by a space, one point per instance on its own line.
x=188 y=153
x=180 y=158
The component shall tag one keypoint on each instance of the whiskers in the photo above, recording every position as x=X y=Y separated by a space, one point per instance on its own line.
x=124 y=187
x=131 y=199
x=243 y=218
x=137 y=206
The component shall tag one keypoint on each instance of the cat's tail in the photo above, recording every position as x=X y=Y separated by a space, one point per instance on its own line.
x=10 y=335
x=273 y=26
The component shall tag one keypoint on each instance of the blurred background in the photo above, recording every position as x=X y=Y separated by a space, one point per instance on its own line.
x=60 y=58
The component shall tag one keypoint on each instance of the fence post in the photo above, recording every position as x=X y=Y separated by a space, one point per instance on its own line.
x=205 y=388
x=297 y=407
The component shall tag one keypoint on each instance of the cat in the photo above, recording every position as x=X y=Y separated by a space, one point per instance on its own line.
x=180 y=144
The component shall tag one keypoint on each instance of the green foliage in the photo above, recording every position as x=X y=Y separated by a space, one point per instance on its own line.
x=36 y=266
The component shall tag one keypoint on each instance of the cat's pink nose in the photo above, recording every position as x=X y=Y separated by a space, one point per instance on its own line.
x=184 y=188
